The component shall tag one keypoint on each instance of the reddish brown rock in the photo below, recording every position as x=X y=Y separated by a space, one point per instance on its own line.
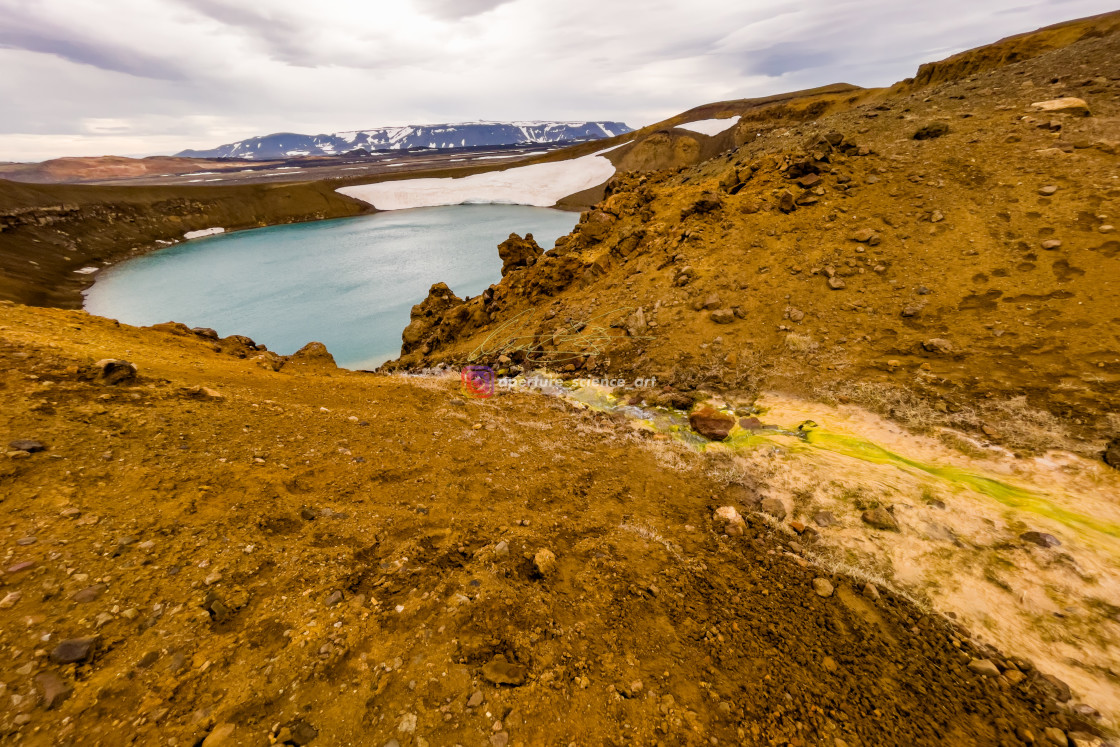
x=711 y=423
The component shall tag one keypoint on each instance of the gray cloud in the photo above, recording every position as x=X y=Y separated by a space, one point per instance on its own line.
x=456 y=9
x=24 y=31
x=147 y=76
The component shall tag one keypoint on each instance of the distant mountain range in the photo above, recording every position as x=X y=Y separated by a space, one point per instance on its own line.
x=465 y=135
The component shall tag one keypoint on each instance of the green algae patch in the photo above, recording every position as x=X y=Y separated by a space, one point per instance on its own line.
x=1009 y=495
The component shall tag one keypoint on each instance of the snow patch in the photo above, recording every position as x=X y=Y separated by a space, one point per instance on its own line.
x=539 y=184
x=203 y=232
x=710 y=126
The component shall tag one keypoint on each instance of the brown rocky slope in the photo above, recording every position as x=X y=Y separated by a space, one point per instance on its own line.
x=206 y=550
x=946 y=253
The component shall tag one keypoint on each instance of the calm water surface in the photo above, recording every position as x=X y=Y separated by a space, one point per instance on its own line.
x=348 y=283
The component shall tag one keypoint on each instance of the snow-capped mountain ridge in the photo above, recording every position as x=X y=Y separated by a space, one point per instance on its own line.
x=449 y=135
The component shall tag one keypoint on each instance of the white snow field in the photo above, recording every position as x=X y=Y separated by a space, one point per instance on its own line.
x=539 y=184
x=710 y=126
x=203 y=232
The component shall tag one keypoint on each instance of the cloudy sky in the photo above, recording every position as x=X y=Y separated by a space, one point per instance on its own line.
x=138 y=77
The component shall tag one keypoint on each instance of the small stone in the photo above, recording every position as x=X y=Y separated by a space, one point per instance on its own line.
x=501 y=739
x=1048 y=190
x=501 y=549
x=774 y=507
x=52 y=690
x=728 y=521
x=823 y=587
x=711 y=423
x=70 y=513
x=501 y=672
x=220 y=736
x=1040 y=538
x=89 y=594
x=824 y=519
x=938 y=345
x=829 y=664
x=1067 y=105
x=73 y=650
x=722 y=316
x=475 y=700
x=871 y=591
x=334 y=598
x=111 y=371
x=31 y=447
x=1107 y=228
x=984 y=667
x=10 y=599
x=931 y=131
x=1051 y=244
x=835 y=283
x=1014 y=676
x=1054 y=737
x=881 y=518
x=545 y=562
x=212 y=579
x=712 y=302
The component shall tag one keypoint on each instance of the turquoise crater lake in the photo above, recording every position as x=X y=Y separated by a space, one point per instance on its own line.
x=348 y=283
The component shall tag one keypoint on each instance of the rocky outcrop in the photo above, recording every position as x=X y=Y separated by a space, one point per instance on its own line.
x=426 y=317
x=517 y=252
x=313 y=355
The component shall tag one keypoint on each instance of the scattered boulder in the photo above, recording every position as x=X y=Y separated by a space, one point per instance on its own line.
x=823 y=587
x=866 y=236
x=824 y=519
x=111 y=371
x=202 y=392
x=1111 y=454
x=938 y=345
x=881 y=518
x=1054 y=737
x=52 y=690
x=517 y=252
x=984 y=667
x=205 y=332
x=1042 y=539
x=835 y=283
x=28 y=445
x=711 y=423
x=728 y=521
x=545 y=562
x=786 y=202
x=706 y=203
x=73 y=650
x=501 y=672
x=931 y=131
x=1068 y=105
x=751 y=424
x=722 y=316
x=774 y=507
x=221 y=736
